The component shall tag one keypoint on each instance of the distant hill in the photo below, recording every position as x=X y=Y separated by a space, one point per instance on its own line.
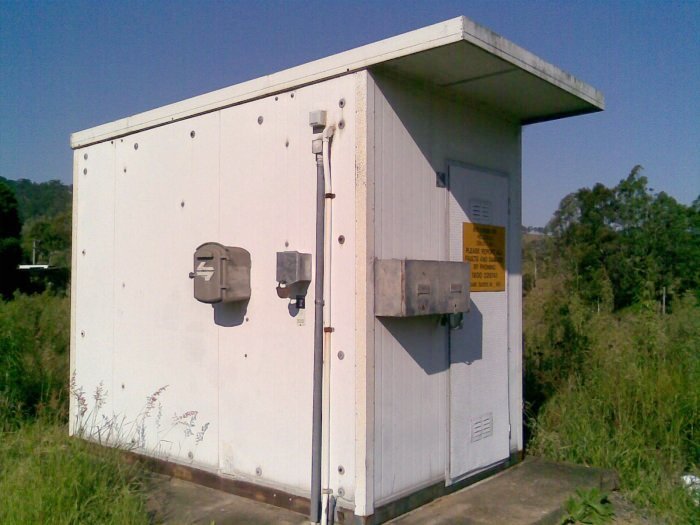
x=40 y=199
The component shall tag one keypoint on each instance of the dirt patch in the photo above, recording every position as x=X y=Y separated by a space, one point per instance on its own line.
x=626 y=513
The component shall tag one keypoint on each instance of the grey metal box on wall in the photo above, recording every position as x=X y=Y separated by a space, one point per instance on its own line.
x=293 y=267
x=221 y=273
x=407 y=288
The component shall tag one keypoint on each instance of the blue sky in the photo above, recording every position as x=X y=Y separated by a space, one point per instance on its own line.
x=66 y=66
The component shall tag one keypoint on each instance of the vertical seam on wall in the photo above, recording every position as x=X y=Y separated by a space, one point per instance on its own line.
x=218 y=329
x=360 y=164
x=447 y=441
x=114 y=263
x=72 y=405
x=510 y=229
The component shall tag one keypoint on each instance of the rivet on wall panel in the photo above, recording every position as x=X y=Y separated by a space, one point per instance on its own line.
x=83 y=252
x=192 y=133
x=292 y=95
x=341 y=239
x=286 y=144
x=258 y=471
x=341 y=355
x=341 y=124
x=182 y=204
x=85 y=171
x=341 y=469
x=82 y=333
x=124 y=169
x=85 y=156
x=341 y=102
x=341 y=491
x=260 y=120
x=136 y=145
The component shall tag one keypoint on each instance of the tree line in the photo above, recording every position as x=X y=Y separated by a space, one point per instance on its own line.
x=35 y=227
x=620 y=246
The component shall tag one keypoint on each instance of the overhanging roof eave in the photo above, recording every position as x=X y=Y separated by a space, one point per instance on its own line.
x=395 y=48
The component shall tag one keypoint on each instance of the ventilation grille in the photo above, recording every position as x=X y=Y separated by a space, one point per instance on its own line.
x=482 y=427
x=480 y=211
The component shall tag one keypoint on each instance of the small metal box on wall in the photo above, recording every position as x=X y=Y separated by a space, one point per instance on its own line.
x=421 y=221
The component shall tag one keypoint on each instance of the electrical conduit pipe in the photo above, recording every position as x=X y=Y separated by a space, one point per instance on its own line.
x=317 y=120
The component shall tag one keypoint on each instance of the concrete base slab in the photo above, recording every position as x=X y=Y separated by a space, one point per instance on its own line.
x=174 y=501
x=530 y=493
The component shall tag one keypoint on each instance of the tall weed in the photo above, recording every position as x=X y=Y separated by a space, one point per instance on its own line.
x=47 y=477
x=632 y=403
x=34 y=343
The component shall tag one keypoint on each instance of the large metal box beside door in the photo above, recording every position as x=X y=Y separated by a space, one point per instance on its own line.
x=192 y=330
x=408 y=288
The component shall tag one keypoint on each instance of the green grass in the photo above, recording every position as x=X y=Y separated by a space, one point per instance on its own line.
x=626 y=396
x=34 y=342
x=48 y=478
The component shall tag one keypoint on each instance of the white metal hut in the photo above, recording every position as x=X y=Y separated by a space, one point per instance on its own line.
x=197 y=334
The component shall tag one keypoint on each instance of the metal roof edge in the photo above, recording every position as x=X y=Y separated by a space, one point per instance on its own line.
x=341 y=63
x=494 y=43
x=346 y=62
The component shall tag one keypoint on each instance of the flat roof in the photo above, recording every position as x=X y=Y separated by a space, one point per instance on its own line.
x=458 y=56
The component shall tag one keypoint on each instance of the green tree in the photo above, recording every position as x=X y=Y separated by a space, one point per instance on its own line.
x=52 y=235
x=40 y=199
x=10 y=250
x=585 y=238
x=627 y=243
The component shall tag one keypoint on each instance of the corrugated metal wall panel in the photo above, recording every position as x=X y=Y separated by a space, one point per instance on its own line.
x=415 y=134
x=410 y=364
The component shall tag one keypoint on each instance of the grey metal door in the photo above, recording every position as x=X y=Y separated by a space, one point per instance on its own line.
x=478 y=376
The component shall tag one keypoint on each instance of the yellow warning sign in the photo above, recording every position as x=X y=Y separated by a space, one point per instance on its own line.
x=484 y=246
